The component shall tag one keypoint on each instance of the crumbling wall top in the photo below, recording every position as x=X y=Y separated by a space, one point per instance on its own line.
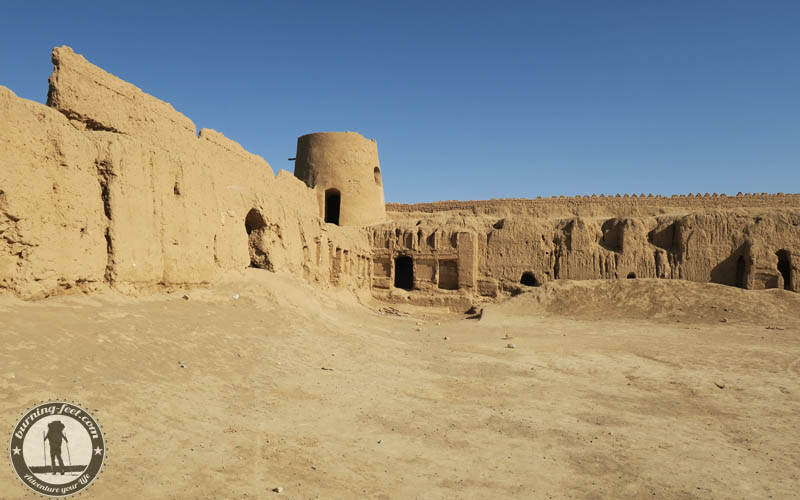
x=87 y=94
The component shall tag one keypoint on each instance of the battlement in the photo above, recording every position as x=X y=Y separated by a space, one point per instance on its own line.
x=603 y=205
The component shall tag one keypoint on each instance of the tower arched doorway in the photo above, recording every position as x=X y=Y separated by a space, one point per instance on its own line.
x=333 y=204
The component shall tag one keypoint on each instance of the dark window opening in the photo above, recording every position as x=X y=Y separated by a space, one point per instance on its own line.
x=741 y=272
x=631 y=276
x=529 y=279
x=333 y=200
x=377 y=174
x=404 y=272
x=254 y=221
x=785 y=268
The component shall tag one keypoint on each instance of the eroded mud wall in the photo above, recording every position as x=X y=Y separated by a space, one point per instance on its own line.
x=441 y=258
x=726 y=248
x=52 y=226
x=107 y=184
x=751 y=249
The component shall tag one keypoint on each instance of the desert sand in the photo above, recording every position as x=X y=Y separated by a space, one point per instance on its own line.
x=592 y=389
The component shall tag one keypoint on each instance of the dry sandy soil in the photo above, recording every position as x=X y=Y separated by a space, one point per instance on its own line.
x=631 y=389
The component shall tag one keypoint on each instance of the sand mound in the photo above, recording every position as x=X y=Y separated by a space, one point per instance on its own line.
x=669 y=300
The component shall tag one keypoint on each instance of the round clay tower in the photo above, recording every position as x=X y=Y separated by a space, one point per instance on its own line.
x=343 y=168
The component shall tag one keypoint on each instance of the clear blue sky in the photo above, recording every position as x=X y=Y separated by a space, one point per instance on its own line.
x=467 y=100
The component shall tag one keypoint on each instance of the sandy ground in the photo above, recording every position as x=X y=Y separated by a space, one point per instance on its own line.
x=634 y=389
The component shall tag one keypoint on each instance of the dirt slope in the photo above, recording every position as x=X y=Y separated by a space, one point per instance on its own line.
x=660 y=300
x=216 y=397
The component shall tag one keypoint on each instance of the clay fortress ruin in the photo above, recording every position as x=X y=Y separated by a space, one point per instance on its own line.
x=107 y=186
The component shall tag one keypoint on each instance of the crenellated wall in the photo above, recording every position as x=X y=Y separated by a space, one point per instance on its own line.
x=598 y=206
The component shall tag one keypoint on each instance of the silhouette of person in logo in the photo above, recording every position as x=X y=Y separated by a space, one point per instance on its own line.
x=55 y=433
